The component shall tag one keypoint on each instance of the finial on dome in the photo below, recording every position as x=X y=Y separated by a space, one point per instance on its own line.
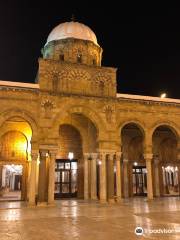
x=73 y=18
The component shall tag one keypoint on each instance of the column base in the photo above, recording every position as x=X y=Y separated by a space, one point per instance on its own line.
x=94 y=198
x=111 y=200
x=31 y=204
x=103 y=201
x=52 y=204
x=42 y=204
x=118 y=199
x=150 y=198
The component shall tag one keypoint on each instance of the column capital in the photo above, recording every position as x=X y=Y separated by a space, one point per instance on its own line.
x=53 y=152
x=94 y=155
x=43 y=152
x=34 y=155
x=148 y=156
x=118 y=154
x=125 y=160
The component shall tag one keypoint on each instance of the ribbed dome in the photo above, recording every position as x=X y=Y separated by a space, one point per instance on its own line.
x=72 y=30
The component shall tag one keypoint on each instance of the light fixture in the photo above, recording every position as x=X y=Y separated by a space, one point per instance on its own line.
x=163 y=95
x=135 y=163
x=70 y=155
x=99 y=162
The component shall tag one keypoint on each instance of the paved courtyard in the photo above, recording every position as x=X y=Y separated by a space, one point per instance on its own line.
x=77 y=219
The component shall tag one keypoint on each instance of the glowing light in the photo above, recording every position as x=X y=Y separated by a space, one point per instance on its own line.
x=163 y=95
x=99 y=162
x=135 y=163
x=70 y=155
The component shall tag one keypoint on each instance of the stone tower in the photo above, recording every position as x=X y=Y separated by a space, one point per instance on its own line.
x=71 y=63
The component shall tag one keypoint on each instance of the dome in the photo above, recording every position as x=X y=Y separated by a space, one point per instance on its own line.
x=72 y=30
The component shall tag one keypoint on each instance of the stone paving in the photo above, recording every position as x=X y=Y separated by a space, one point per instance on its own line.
x=78 y=219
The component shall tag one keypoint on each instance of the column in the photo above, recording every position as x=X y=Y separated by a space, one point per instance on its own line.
x=1 y=168
x=93 y=176
x=130 y=179
x=110 y=178
x=86 y=177
x=52 y=159
x=102 y=189
x=156 y=178
x=161 y=182
x=126 y=180
x=32 y=178
x=118 y=177
x=148 y=158
x=42 y=187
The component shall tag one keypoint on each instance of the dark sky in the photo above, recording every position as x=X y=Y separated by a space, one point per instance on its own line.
x=142 y=41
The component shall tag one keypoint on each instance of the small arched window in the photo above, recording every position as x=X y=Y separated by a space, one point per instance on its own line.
x=101 y=87
x=94 y=62
x=61 y=57
x=79 y=58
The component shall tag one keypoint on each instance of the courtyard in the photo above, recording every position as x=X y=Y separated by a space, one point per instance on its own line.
x=90 y=220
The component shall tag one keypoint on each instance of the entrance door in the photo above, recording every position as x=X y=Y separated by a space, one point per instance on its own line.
x=139 y=181
x=66 y=178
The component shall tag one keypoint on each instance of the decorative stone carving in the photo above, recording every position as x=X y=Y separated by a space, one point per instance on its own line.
x=109 y=110
x=48 y=107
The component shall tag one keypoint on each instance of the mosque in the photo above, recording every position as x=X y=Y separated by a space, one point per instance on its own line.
x=71 y=135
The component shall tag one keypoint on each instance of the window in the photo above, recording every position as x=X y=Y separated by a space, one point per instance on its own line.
x=61 y=57
x=94 y=61
x=79 y=58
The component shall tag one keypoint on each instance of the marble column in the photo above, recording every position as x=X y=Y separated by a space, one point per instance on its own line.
x=126 y=178
x=42 y=187
x=148 y=158
x=93 y=176
x=110 y=178
x=161 y=182
x=51 y=182
x=156 y=178
x=118 y=177
x=1 y=168
x=102 y=189
x=32 y=178
x=86 y=177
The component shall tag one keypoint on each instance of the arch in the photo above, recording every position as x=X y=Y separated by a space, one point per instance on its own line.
x=11 y=113
x=170 y=125
x=139 y=124
x=67 y=131
x=85 y=111
x=15 y=141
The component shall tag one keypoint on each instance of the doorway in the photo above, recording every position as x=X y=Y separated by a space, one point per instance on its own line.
x=65 y=178
x=139 y=181
x=10 y=182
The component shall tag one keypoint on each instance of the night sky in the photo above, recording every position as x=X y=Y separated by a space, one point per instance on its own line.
x=142 y=41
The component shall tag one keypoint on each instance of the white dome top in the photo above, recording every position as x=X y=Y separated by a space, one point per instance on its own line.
x=72 y=30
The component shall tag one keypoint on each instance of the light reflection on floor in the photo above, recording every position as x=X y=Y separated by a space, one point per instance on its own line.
x=72 y=219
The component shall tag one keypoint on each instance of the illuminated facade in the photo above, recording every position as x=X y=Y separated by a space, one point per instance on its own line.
x=75 y=136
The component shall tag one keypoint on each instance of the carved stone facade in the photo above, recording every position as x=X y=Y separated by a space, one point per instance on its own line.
x=74 y=107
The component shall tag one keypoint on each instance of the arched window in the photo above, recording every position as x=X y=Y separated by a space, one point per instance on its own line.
x=55 y=83
x=94 y=62
x=79 y=58
x=101 y=87
x=61 y=57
